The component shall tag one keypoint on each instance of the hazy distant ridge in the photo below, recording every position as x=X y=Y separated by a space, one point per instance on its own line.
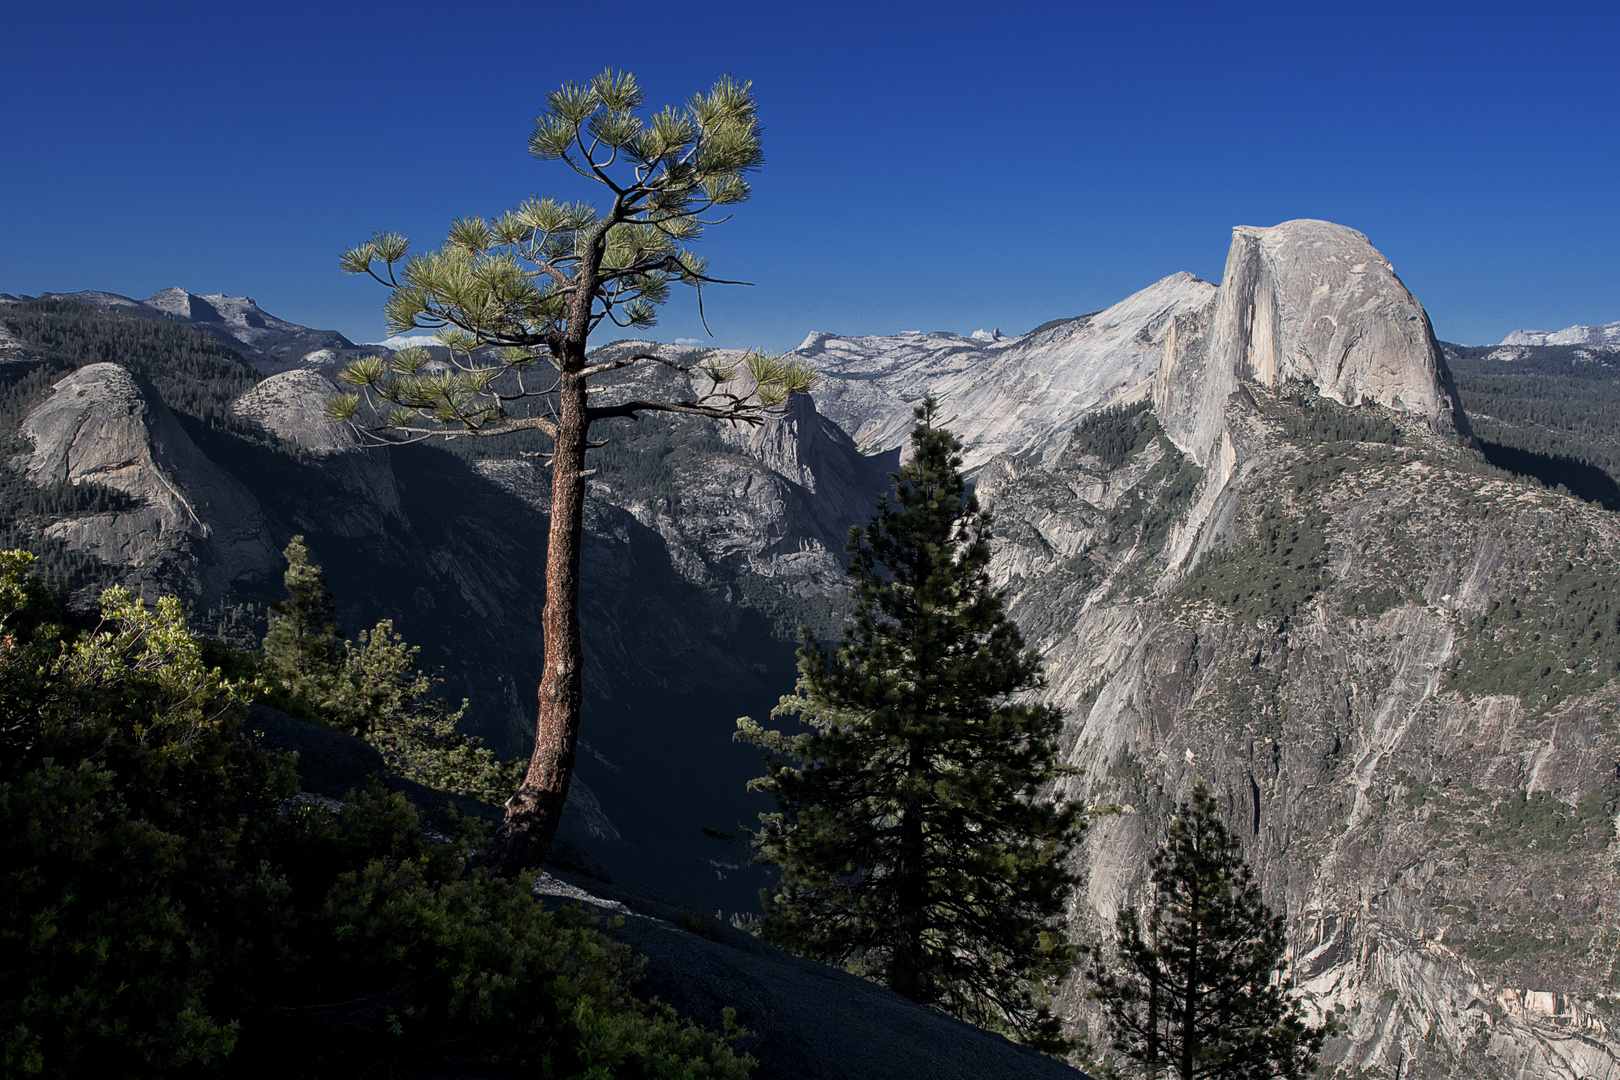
x=1607 y=334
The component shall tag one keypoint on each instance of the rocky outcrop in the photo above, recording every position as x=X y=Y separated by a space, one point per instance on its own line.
x=1435 y=816
x=195 y=527
x=291 y=407
x=1308 y=301
x=1607 y=334
x=999 y=395
x=805 y=1021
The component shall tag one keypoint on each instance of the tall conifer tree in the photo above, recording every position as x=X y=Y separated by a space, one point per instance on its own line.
x=915 y=838
x=1196 y=992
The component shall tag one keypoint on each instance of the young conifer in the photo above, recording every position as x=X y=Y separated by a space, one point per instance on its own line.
x=373 y=688
x=1197 y=992
x=304 y=648
x=916 y=838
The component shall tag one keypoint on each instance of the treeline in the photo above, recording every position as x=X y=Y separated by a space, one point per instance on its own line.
x=1313 y=418
x=1116 y=434
x=194 y=373
x=1559 y=430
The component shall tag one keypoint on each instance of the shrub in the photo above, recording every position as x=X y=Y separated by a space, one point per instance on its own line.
x=167 y=905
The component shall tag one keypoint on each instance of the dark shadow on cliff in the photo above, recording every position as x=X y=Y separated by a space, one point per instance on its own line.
x=1583 y=480
x=669 y=666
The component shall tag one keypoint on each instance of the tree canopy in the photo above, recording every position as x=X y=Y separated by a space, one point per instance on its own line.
x=1198 y=990
x=170 y=905
x=916 y=834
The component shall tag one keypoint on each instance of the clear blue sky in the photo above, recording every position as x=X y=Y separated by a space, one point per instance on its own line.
x=929 y=166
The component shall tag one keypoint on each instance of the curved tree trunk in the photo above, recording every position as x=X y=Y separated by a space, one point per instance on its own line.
x=533 y=814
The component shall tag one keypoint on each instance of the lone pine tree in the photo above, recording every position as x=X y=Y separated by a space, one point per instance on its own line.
x=516 y=299
x=1198 y=991
x=915 y=836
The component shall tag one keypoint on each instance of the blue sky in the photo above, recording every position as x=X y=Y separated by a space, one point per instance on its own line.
x=940 y=166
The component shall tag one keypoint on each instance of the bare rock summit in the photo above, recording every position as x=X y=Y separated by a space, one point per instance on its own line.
x=291 y=408
x=1000 y=395
x=102 y=425
x=1309 y=301
x=1607 y=334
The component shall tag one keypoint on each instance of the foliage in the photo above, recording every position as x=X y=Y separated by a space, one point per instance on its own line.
x=373 y=688
x=914 y=834
x=1268 y=576
x=1116 y=434
x=1558 y=637
x=165 y=907
x=1311 y=419
x=1195 y=988
x=1147 y=520
x=516 y=281
x=1561 y=430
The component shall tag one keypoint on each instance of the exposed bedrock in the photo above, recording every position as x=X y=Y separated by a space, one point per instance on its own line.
x=1309 y=301
x=291 y=407
x=193 y=523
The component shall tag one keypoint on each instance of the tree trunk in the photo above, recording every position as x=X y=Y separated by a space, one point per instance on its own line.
x=534 y=812
x=1189 y=1006
x=908 y=975
x=908 y=968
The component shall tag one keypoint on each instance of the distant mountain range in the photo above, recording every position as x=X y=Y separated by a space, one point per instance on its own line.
x=270 y=344
x=1269 y=534
x=1607 y=334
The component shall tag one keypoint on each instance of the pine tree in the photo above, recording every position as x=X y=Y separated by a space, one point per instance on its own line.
x=1198 y=991
x=916 y=841
x=303 y=649
x=373 y=688
x=516 y=299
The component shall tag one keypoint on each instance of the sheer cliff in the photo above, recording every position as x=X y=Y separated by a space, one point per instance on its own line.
x=1247 y=525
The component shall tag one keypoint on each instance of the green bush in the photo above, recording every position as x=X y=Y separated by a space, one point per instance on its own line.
x=167 y=905
x=372 y=688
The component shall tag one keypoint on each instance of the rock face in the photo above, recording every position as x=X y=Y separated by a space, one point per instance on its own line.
x=1607 y=334
x=291 y=407
x=1378 y=737
x=195 y=526
x=805 y=1020
x=1308 y=301
x=999 y=395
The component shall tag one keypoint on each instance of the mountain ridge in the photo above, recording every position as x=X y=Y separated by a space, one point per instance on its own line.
x=1377 y=647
